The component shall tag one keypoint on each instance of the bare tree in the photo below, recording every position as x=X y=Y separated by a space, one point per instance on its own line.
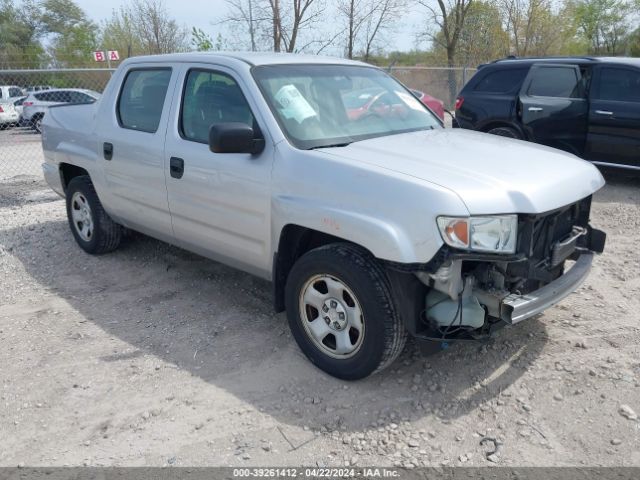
x=276 y=21
x=248 y=16
x=449 y=16
x=365 y=22
x=384 y=14
x=302 y=16
x=279 y=23
x=158 y=33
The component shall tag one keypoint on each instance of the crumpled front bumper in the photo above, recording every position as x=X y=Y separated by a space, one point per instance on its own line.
x=515 y=308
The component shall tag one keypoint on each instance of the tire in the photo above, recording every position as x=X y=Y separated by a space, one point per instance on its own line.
x=505 y=132
x=90 y=225
x=343 y=279
x=37 y=123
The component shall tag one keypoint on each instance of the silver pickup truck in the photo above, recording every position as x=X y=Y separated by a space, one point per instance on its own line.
x=331 y=179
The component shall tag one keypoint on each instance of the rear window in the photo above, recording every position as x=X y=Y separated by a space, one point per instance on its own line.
x=501 y=81
x=142 y=98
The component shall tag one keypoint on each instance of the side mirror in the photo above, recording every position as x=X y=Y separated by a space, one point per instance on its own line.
x=234 y=138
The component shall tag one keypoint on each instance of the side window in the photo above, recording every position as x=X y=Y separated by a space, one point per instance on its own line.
x=501 y=81
x=562 y=82
x=142 y=98
x=211 y=98
x=15 y=92
x=79 y=97
x=62 y=97
x=619 y=84
x=43 y=97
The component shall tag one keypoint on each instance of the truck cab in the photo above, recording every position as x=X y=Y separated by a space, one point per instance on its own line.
x=371 y=228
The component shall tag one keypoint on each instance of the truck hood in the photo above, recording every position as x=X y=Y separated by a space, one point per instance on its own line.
x=490 y=174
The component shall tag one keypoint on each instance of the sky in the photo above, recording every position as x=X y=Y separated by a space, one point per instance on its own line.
x=190 y=13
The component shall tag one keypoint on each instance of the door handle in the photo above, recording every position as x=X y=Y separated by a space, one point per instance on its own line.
x=604 y=112
x=107 y=150
x=535 y=109
x=176 y=167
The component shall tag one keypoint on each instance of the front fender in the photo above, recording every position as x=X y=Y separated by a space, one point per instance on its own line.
x=384 y=239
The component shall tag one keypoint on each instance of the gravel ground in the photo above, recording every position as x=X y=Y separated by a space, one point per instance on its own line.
x=154 y=356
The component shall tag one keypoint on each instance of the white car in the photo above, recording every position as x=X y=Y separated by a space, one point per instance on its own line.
x=37 y=103
x=10 y=92
x=8 y=115
x=17 y=103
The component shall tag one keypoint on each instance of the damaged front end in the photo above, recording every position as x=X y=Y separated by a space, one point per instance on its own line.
x=468 y=295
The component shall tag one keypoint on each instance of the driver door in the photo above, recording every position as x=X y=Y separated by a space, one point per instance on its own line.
x=553 y=108
x=220 y=203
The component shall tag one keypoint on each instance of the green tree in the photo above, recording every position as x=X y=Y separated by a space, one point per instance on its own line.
x=604 y=24
x=634 y=43
x=483 y=38
x=119 y=33
x=144 y=27
x=201 y=41
x=20 y=33
x=449 y=17
x=74 y=36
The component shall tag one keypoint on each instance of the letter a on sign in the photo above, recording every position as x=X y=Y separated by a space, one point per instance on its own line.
x=99 y=56
x=113 y=55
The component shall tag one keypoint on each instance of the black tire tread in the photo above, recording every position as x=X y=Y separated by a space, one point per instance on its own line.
x=505 y=132
x=108 y=232
x=395 y=333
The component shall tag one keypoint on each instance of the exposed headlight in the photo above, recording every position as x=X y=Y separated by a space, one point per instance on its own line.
x=482 y=234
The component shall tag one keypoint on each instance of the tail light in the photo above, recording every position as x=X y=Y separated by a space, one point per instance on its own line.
x=1 y=109
x=28 y=104
x=459 y=102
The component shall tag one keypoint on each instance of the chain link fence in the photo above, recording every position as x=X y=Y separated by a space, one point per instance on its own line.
x=23 y=108
x=26 y=94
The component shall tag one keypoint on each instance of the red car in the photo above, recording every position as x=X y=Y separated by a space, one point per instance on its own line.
x=437 y=106
x=372 y=101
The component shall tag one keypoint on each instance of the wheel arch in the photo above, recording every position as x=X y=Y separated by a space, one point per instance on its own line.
x=295 y=240
x=68 y=172
x=502 y=124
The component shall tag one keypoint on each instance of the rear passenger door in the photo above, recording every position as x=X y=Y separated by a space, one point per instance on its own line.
x=131 y=149
x=220 y=202
x=553 y=107
x=614 y=116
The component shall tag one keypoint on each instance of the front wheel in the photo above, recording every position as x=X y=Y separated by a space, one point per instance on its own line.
x=92 y=227
x=341 y=311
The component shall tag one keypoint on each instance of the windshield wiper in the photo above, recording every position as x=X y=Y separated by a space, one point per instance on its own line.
x=331 y=145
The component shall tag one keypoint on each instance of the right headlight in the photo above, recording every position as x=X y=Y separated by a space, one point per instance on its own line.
x=491 y=233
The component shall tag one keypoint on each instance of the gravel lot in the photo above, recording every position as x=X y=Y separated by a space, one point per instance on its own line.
x=154 y=356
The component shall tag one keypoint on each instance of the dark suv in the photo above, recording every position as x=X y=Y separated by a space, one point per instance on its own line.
x=586 y=106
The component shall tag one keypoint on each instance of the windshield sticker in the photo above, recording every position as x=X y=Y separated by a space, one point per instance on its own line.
x=293 y=104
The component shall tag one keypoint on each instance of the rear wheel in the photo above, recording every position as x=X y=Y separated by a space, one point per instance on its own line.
x=341 y=311
x=91 y=226
x=505 y=132
x=37 y=123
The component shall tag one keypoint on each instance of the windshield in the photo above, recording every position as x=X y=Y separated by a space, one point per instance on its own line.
x=334 y=105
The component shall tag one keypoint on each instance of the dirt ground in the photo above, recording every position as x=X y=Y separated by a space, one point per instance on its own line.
x=154 y=356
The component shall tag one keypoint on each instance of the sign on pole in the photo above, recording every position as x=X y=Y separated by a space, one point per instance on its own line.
x=99 y=56
x=113 y=55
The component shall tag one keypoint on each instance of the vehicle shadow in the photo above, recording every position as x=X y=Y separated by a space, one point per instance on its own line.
x=218 y=324
x=622 y=187
x=25 y=189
